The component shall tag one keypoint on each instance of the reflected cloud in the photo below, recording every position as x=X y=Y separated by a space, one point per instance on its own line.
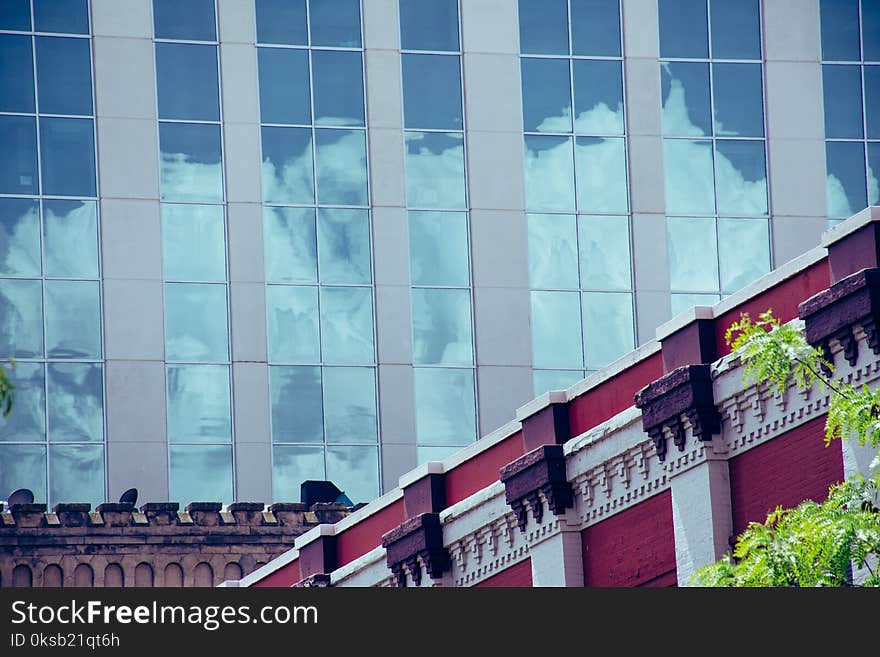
x=435 y=170
x=76 y=408
x=341 y=167
x=182 y=178
x=445 y=406
x=19 y=237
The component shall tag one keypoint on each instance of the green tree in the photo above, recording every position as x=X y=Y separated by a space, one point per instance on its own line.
x=815 y=543
x=6 y=388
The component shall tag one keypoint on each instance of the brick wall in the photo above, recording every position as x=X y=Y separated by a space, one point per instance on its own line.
x=785 y=471
x=633 y=548
x=519 y=575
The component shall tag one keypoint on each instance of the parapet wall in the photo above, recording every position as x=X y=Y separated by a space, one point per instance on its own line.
x=154 y=545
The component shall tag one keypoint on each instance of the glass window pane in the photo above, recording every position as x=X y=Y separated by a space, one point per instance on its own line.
x=73 y=319
x=293 y=324
x=67 y=16
x=683 y=28
x=350 y=404
x=871 y=30
x=690 y=184
x=549 y=172
x=741 y=177
x=693 y=263
x=284 y=86
x=546 y=91
x=76 y=473
x=604 y=252
x=845 y=185
x=552 y=251
x=543 y=27
x=18 y=157
x=335 y=23
x=338 y=78
x=544 y=380
x=190 y=168
x=344 y=246
x=64 y=75
x=840 y=29
x=425 y=454
x=200 y=473
x=287 y=165
x=195 y=322
x=736 y=29
x=872 y=101
x=432 y=92
x=744 y=251
x=15 y=15
x=296 y=405
x=347 y=325
x=291 y=466
x=23 y=466
x=598 y=97
x=682 y=302
x=19 y=237
x=198 y=403
x=684 y=87
x=67 y=149
x=27 y=421
x=193 y=242
x=341 y=167
x=186 y=79
x=291 y=252
x=608 y=327
x=739 y=105
x=355 y=471
x=435 y=170
x=445 y=406
x=438 y=248
x=429 y=25
x=601 y=175
x=442 y=332
x=76 y=402
x=192 y=20
x=71 y=238
x=595 y=27
x=16 y=73
x=21 y=319
x=842 y=90
x=873 y=173
x=282 y=21
x=556 y=330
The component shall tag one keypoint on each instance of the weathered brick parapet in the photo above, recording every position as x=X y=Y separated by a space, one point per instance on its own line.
x=155 y=545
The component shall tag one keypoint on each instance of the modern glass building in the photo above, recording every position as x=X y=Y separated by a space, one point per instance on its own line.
x=246 y=243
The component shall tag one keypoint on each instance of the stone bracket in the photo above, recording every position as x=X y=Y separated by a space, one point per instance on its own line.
x=418 y=539
x=685 y=393
x=539 y=473
x=834 y=314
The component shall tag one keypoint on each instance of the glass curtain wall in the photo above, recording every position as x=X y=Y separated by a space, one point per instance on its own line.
x=850 y=40
x=191 y=189
x=50 y=297
x=318 y=250
x=577 y=195
x=714 y=149
x=439 y=230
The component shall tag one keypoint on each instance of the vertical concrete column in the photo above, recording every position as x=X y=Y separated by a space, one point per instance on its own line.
x=559 y=560
x=244 y=217
x=795 y=126
x=131 y=256
x=390 y=238
x=701 y=514
x=645 y=151
x=496 y=193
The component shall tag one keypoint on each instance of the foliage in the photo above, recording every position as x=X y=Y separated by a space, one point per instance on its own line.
x=6 y=388
x=814 y=544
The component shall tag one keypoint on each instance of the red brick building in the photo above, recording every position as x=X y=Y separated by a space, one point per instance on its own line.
x=637 y=475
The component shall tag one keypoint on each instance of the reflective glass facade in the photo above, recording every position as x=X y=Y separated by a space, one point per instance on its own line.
x=247 y=244
x=577 y=197
x=850 y=32
x=714 y=148
x=53 y=442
